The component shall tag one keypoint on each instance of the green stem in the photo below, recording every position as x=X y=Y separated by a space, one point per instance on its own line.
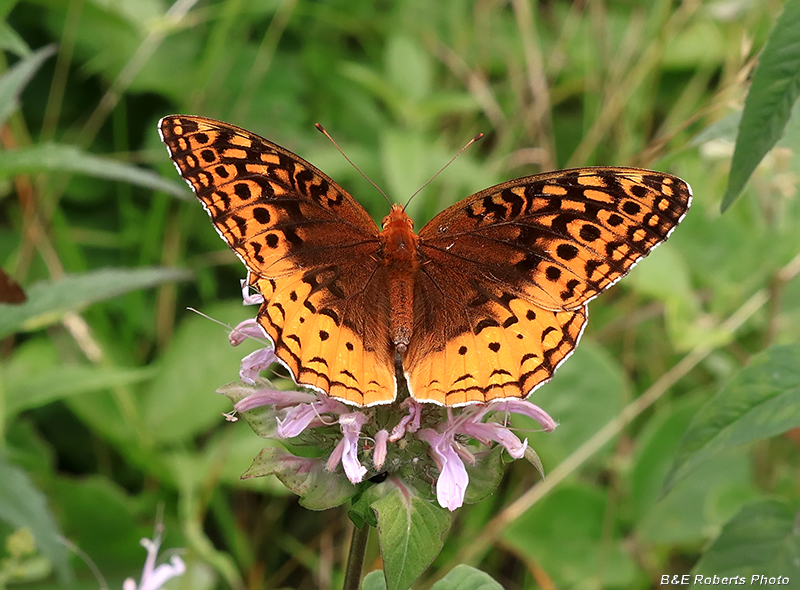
x=355 y=559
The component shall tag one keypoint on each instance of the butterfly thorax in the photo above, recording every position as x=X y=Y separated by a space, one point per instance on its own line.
x=400 y=256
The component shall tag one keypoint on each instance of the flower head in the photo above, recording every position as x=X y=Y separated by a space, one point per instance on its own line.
x=412 y=439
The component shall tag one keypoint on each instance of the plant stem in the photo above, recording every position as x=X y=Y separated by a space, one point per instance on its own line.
x=355 y=559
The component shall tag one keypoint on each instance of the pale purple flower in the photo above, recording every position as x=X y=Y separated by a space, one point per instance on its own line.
x=447 y=452
x=250 y=297
x=308 y=415
x=297 y=412
x=453 y=479
x=274 y=397
x=410 y=422
x=486 y=432
x=379 y=453
x=254 y=363
x=526 y=408
x=244 y=330
x=154 y=577
x=347 y=449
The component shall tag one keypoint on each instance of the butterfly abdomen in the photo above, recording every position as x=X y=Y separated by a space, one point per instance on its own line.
x=399 y=247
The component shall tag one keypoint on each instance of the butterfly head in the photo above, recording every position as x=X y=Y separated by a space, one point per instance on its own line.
x=398 y=240
x=397 y=220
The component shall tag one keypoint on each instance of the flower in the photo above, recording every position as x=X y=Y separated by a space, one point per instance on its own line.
x=379 y=453
x=445 y=449
x=453 y=479
x=412 y=438
x=351 y=427
x=153 y=577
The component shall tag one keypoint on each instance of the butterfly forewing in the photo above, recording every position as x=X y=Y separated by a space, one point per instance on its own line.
x=311 y=248
x=559 y=239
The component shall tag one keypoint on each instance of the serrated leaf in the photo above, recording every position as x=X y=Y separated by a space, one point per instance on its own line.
x=762 y=538
x=48 y=301
x=762 y=401
x=13 y=82
x=773 y=92
x=51 y=157
x=411 y=534
x=318 y=488
x=23 y=505
x=465 y=577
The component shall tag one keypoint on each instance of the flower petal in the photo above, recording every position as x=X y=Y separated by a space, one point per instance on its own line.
x=250 y=297
x=351 y=429
x=410 y=422
x=246 y=329
x=296 y=421
x=485 y=432
x=379 y=454
x=276 y=397
x=526 y=408
x=255 y=362
x=453 y=478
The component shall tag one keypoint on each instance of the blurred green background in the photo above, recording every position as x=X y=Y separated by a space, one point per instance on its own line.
x=109 y=410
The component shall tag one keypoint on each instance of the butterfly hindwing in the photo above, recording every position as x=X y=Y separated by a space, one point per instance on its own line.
x=311 y=250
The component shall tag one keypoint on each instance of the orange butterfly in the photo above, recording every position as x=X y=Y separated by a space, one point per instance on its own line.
x=484 y=303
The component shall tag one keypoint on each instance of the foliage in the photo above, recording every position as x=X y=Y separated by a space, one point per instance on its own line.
x=687 y=373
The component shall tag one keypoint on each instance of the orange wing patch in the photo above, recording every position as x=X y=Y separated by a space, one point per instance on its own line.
x=320 y=351
x=507 y=354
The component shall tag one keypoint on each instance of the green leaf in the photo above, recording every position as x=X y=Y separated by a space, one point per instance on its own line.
x=15 y=79
x=465 y=577
x=775 y=88
x=569 y=535
x=318 y=488
x=263 y=419
x=41 y=388
x=180 y=403
x=762 y=401
x=411 y=534
x=374 y=581
x=408 y=67
x=762 y=539
x=585 y=394
x=361 y=512
x=51 y=157
x=12 y=42
x=23 y=505
x=485 y=475
x=48 y=301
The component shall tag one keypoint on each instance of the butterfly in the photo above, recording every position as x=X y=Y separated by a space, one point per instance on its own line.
x=484 y=303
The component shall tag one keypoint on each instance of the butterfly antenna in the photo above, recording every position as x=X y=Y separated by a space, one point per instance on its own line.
x=453 y=159
x=208 y=317
x=328 y=135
